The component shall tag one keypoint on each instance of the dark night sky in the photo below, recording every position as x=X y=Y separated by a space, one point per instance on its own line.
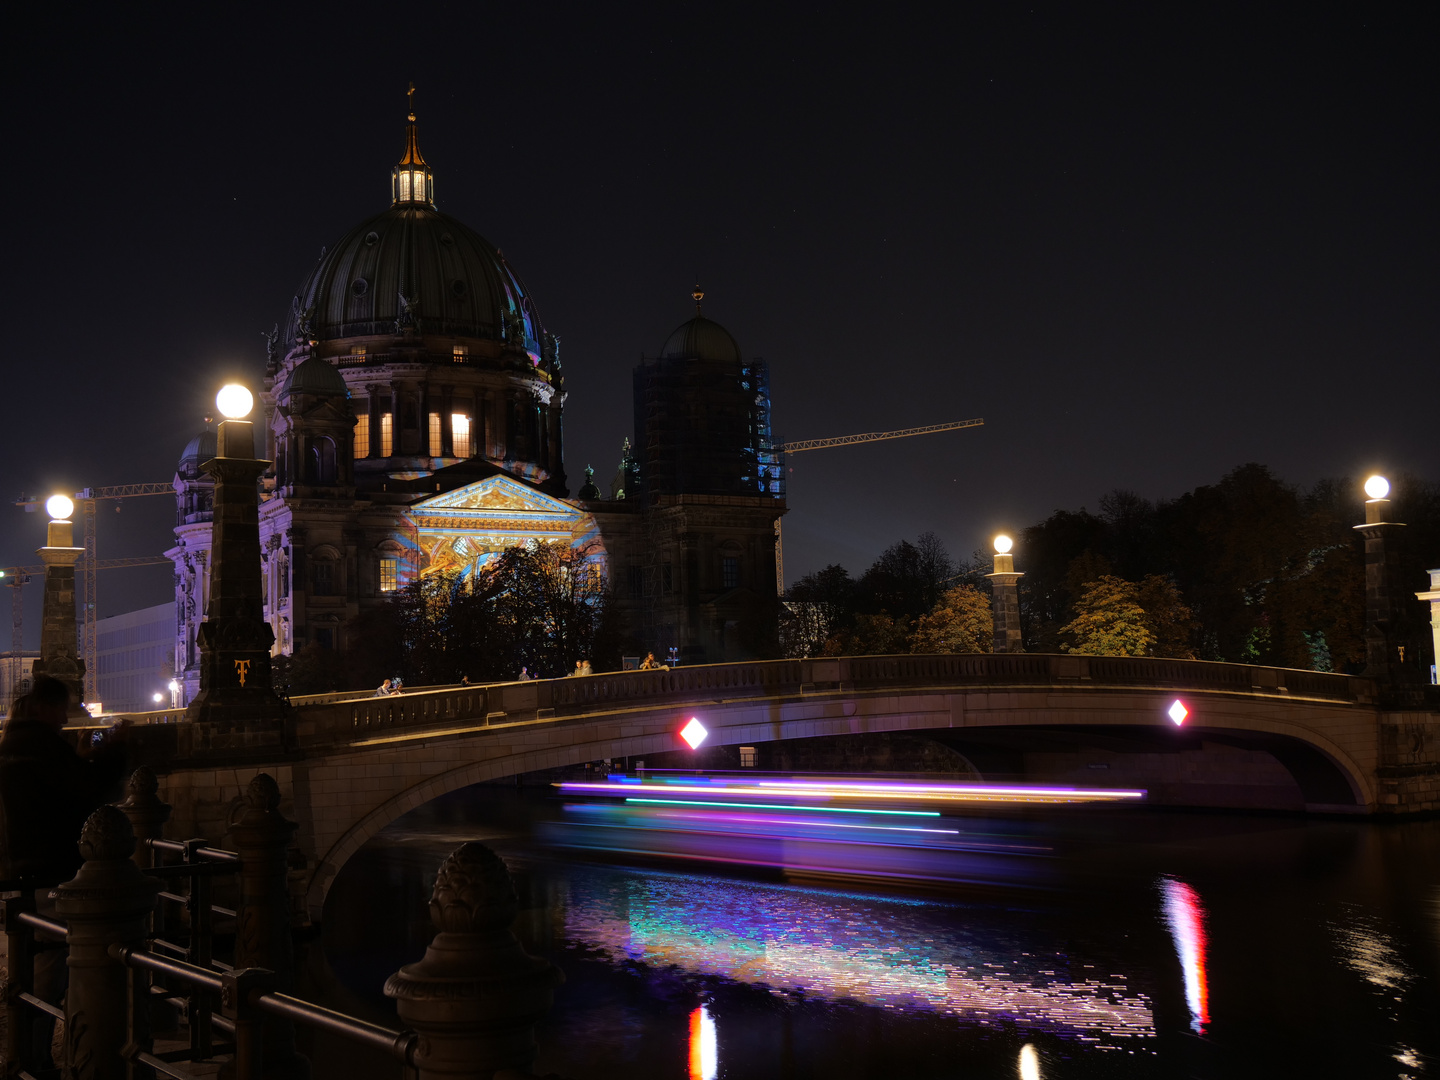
x=1146 y=247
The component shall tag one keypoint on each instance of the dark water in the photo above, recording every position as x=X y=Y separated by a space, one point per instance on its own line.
x=1120 y=943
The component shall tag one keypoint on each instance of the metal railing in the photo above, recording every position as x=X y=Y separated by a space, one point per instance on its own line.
x=176 y=970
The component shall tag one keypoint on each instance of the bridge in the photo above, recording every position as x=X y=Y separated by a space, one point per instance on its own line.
x=348 y=766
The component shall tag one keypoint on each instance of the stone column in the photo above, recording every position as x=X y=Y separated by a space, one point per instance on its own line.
x=1383 y=597
x=146 y=812
x=476 y=996
x=447 y=424
x=59 y=643
x=263 y=940
x=1005 y=601
x=1433 y=596
x=235 y=639
x=108 y=903
x=426 y=450
x=374 y=448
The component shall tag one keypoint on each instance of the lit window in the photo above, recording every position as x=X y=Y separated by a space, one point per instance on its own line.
x=404 y=187
x=387 y=433
x=460 y=428
x=389 y=575
x=360 y=350
x=460 y=353
x=362 y=436
x=419 y=187
x=435 y=433
x=747 y=757
x=730 y=572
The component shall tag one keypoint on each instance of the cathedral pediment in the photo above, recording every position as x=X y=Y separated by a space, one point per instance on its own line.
x=496 y=496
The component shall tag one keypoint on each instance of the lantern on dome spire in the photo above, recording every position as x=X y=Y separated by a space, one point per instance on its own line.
x=411 y=181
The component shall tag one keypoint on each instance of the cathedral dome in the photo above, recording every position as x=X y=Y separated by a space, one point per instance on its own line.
x=413 y=270
x=314 y=376
x=413 y=267
x=197 y=451
x=700 y=339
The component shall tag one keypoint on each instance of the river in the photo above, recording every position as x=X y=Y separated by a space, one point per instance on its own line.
x=1050 y=941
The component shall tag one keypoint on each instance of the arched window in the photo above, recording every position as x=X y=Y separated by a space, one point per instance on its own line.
x=404 y=187
x=320 y=465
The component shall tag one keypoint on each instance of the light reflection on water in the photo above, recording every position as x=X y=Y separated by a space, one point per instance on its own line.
x=886 y=952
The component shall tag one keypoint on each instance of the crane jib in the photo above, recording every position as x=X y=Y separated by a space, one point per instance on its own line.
x=875 y=436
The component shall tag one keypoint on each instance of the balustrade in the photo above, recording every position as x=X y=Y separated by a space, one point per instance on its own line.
x=475 y=997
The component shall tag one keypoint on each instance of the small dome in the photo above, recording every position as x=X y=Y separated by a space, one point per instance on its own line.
x=314 y=376
x=700 y=339
x=197 y=451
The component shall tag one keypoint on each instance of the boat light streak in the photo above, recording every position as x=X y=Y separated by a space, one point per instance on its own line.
x=781 y=806
x=830 y=789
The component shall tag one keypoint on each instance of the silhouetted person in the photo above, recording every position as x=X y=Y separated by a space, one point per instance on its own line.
x=47 y=791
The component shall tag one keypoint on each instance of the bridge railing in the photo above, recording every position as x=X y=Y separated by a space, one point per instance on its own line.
x=365 y=718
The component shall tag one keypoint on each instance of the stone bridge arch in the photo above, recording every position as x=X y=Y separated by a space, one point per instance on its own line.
x=1312 y=724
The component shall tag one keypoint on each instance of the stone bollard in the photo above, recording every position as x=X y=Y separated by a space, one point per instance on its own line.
x=146 y=812
x=107 y=903
x=263 y=938
x=477 y=994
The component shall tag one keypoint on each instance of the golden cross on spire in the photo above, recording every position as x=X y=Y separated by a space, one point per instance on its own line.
x=410 y=94
x=699 y=295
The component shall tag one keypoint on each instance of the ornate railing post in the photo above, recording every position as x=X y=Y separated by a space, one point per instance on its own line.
x=263 y=939
x=107 y=903
x=146 y=812
x=477 y=994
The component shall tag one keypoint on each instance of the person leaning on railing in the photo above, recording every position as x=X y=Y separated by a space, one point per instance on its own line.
x=47 y=791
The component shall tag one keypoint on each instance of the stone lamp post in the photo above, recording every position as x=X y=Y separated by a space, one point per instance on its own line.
x=59 y=644
x=1384 y=643
x=1005 y=599
x=235 y=639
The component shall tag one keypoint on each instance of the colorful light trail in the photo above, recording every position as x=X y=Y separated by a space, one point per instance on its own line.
x=826 y=790
x=1185 y=915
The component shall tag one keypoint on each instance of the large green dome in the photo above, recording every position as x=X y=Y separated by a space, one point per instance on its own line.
x=413 y=266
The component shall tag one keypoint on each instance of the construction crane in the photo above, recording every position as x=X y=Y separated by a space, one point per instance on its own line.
x=85 y=505
x=852 y=440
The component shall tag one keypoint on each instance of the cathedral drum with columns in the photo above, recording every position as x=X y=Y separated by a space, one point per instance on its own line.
x=412 y=418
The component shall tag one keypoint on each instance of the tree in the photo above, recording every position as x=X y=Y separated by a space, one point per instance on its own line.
x=906 y=580
x=870 y=635
x=961 y=622
x=1109 y=621
x=1169 y=621
x=815 y=607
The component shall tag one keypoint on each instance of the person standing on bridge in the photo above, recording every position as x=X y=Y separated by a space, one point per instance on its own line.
x=47 y=791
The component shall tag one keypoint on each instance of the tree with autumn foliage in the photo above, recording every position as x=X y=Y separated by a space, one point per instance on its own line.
x=1109 y=620
x=960 y=622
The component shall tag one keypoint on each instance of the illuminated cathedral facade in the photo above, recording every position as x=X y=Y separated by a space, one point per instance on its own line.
x=413 y=411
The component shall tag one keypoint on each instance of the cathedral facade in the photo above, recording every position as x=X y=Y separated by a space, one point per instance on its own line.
x=412 y=415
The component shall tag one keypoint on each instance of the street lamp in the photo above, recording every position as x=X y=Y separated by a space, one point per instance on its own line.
x=59 y=643
x=174 y=693
x=1377 y=487
x=1005 y=598
x=157 y=698
x=235 y=639
x=1384 y=640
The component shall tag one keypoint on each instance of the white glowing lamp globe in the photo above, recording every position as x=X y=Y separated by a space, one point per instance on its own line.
x=159 y=697
x=1377 y=487
x=1003 y=544
x=59 y=507
x=234 y=401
